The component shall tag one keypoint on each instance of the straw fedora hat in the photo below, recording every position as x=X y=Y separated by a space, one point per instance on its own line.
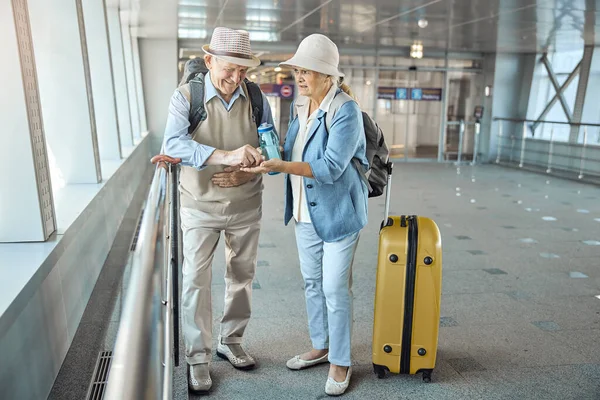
x=318 y=53
x=232 y=46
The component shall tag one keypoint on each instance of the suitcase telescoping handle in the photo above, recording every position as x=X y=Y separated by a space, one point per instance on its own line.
x=388 y=191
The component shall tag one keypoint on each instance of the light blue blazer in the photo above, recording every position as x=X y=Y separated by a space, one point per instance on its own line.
x=336 y=196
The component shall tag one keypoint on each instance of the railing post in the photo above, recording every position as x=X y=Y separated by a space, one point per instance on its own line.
x=550 y=150
x=167 y=302
x=499 y=141
x=512 y=147
x=476 y=144
x=582 y=161
x=523 y=138
x=175 y=259
x=460 y=141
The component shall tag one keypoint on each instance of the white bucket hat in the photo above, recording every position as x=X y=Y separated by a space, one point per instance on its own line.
x=232 y=46
x=316 y=53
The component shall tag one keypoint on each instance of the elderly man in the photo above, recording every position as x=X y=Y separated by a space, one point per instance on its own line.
x=216 y=199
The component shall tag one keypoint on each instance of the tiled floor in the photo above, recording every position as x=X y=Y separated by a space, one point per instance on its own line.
x=520 y=293
x=520 y=316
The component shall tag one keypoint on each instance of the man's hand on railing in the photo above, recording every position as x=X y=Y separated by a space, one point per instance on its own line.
x=162 y=160
x=232 y=177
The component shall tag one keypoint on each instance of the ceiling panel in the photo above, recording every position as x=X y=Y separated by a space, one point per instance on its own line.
x=452 y=25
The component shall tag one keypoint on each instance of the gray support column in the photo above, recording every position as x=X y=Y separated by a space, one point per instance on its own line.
x=27 y=206
x=489 y=128
x=526 y=78
x=65 y=89
x=444 y=102
x=443 y=112
x=377 y=61
x=120 y=79
x=130 y=73
x=513 y=74
x=375 y=86
x=591 y=107
x=103 y=89
x=539 y=76
x=584 y=75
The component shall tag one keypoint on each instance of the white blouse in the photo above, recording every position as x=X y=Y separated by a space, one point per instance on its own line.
x=302 y=105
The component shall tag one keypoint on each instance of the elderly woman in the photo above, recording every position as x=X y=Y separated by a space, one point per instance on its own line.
x=328 y=200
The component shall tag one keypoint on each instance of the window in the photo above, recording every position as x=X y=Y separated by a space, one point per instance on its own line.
x=562 y=65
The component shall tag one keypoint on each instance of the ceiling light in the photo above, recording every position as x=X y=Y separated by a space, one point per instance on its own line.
x=192 y=57
x=423 y=23
x=368 y=82
x=277 y=69
x=416 y=50
x=253 y=76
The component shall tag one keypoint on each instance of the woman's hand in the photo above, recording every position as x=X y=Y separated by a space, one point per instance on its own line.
x=273 y=165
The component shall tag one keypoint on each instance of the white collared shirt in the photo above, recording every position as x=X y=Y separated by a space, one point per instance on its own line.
x=300 y=205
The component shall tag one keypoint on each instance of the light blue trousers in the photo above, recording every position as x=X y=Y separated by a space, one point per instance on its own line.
x=327 y=271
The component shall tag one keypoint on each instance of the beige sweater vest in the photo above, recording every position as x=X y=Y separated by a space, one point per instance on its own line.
x=224 y=130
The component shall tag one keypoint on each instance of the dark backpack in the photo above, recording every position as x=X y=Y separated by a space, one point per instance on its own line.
x=376 y=177
x=377 y=156
x=194 y=72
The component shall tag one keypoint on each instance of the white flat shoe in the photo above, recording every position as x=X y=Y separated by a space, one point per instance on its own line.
x=333 y=388
x=297 y=363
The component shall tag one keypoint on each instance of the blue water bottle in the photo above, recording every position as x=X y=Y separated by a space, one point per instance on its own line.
x=269 y=143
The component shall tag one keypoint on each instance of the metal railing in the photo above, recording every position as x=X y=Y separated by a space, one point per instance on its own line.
x=517 y=145
x=147 y=340
x=462 y=124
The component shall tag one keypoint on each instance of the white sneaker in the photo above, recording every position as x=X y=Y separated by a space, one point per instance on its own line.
x=333 y=388
x=297 y=363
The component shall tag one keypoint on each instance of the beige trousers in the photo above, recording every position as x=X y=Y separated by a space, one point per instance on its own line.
x=201 y=234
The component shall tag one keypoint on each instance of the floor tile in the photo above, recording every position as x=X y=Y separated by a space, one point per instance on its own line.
x=547 y=325
x=495 y=271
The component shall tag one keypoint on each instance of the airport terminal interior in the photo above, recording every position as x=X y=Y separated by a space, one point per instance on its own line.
x=491 y=116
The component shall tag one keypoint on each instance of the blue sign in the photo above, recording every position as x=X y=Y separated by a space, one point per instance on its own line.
x=426 y=94
x=401 y=94
x=416 y=94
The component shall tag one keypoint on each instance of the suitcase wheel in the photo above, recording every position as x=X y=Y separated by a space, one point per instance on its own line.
x=379 y=371
x=427 y=375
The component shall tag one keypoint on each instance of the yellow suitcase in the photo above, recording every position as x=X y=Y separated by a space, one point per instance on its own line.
x=407 y=296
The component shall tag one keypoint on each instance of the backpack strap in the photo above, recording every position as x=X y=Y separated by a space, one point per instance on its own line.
x=197 y=110
x=338 y=101
x=256 y=100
